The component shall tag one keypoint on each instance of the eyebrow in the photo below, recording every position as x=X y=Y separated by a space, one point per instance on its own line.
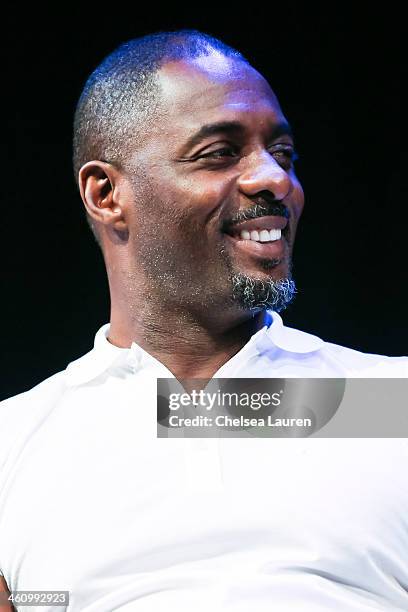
x=234 y=128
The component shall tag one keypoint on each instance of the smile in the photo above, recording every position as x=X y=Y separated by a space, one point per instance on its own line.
x=260 y=238
x=264 y=235
x=265 y=229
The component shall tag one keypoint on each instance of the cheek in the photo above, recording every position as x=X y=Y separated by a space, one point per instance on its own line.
x=297 y=200
x=188 y=200
x=201 y=196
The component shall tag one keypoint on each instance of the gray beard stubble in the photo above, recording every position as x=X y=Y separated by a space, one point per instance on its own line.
x=253 y=293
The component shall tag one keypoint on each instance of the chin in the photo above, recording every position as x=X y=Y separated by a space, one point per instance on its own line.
x=267 y=269
x=263 y=291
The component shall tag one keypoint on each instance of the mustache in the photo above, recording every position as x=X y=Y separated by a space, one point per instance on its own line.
x=261 y=208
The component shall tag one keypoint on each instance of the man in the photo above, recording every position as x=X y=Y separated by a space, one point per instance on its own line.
x=185 y=165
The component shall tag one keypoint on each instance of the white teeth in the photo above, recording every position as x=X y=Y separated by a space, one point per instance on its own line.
x=275 y=234
x=262 y=236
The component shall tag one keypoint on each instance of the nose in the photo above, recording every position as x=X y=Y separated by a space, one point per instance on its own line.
x=263 y=173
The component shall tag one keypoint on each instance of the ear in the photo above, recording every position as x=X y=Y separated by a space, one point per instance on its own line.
x=98 y=182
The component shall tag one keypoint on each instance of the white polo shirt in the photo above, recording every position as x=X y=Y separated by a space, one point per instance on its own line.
x=92 y=502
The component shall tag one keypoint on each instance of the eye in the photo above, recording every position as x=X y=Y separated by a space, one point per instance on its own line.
x=220 y=153
x=285 y=155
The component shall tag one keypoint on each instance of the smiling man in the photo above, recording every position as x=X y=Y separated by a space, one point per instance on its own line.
x=185 y=165
x=197 y=213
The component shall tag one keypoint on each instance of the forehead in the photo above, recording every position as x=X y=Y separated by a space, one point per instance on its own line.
x=213 y=88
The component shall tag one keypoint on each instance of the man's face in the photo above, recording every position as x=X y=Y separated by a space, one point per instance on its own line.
x=215 y=200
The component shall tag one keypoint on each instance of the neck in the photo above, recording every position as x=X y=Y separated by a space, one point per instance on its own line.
x=189 y=345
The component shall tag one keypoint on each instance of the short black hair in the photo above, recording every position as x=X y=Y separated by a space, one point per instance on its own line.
x=122 y=93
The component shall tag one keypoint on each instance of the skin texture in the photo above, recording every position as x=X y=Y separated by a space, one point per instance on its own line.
x=161 y=217
x=5 y=607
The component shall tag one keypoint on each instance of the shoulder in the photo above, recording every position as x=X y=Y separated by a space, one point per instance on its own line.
x=22 y=414
x=25 y=402
x=25 y=413
x=36 y=404
x=326 y=358
x=366 y=365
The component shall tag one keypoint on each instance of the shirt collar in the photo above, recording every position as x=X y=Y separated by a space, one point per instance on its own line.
x=106 y=355
x=289 y=339
x=103 y=356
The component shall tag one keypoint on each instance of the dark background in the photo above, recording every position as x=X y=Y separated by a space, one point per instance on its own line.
x=339 y=78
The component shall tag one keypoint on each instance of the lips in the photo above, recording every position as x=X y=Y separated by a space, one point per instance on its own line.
x=258 y=250
x=256 y=247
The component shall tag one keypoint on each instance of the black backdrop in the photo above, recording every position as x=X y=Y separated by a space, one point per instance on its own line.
x=339 y=78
